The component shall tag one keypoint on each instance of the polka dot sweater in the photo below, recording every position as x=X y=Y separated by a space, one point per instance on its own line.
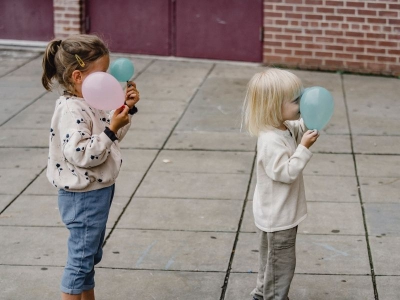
x=84 y=154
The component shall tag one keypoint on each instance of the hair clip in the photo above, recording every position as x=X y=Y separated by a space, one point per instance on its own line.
x=79 y=60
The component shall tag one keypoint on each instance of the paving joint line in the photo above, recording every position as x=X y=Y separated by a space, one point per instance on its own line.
x=159 y=150
x=228 y=271
x=371 y=264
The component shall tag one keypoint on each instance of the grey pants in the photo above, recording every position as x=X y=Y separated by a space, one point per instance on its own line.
x=277 y=261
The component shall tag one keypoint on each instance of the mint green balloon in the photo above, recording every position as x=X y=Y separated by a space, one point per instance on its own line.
x=122 y=69
x=316 y=107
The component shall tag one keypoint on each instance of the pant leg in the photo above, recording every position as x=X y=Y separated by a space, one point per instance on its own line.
x=277 y=262
x=90 y=211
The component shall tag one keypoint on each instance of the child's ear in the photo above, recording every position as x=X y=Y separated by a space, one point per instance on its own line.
x=77 y=77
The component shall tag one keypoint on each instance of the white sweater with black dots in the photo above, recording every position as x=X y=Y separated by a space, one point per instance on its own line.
x=82 y=157
x=279 y=201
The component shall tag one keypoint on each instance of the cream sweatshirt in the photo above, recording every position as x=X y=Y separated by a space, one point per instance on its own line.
x=82 y=154
x=279 y=201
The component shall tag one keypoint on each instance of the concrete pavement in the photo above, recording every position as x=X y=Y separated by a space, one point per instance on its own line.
x=181 y=225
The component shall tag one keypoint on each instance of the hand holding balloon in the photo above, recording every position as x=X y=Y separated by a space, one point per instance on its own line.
x=102 y=91
x=119 y=119
x=309 y=138
x=122 y=69
x=132 y=94
x=316 y=107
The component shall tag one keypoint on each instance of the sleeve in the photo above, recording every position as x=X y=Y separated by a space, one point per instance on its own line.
x=79 y=146
x=298 y=128
x=280 y=165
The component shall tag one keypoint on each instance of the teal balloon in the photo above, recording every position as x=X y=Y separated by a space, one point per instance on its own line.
x=316 y=107
x=122 y=69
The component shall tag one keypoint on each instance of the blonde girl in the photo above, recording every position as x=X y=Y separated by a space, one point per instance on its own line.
x=271 y=112
x=84 y=155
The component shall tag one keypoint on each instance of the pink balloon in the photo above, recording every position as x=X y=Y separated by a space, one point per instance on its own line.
x=102 y=91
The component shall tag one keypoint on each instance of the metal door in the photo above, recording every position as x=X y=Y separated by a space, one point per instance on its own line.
x=135 y=26
x=219 y=29
x=26 y=20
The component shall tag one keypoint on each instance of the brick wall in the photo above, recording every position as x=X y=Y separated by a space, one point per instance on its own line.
x=356 y=36
x=68 y=17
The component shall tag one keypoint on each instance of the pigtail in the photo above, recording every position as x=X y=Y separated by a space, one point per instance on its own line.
x=48 y=64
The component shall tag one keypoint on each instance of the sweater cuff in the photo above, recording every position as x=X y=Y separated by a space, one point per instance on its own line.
x=110 y=134
x=133 y=110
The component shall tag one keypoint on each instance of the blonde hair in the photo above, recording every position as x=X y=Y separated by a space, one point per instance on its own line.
x=61 y=58
x=266 y=91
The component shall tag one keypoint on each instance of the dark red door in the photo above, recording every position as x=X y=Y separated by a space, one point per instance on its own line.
x=135 y=26
x=26 y=20
x=215 y=29
x=219 y=29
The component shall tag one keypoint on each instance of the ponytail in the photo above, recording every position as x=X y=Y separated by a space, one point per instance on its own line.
x=59 y=59
x=48 y=64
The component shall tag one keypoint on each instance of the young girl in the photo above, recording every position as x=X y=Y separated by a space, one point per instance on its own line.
x=271 y=112
x=84 y=155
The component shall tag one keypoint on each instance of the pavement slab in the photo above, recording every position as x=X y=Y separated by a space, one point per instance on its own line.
x=182 y=212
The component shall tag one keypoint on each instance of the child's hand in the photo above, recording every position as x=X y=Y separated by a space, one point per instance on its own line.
x=309 y=138
x=119 y=119
x=132 y=94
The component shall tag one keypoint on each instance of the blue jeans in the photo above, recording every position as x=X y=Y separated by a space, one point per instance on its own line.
x=85 y=215
x=277 y=262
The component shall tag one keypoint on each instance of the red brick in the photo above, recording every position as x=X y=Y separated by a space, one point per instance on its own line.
x=334 y=18
x=377 y=21
x=394 y=22
x=325 y=10
x=355 y=19
x=284 y=7
x=365 y=57
x=334 y=63
x=282 y=22
x=392 y=37
x=304 y=9
x=272 y=29
x=376 y=36
x=283 y=51
x=334 y=3
x=334 y=47
x=303 y=53
x=355 y=49
x=344 y=56
x=334 y=32
x=345 y=41
x=355 y=4
x=293 y=45
x=293 y=30
x=355 y=34
x=323 y=54
x=366 y=43
x=346 y=11
x=386 y=59
x=388 y=44
x=273 y=43
x=376 y=5
x=324 y=39
x=388 y=14
x=376 y=50
x=314 y=2
x=394 y=6
x=273 y=15
x=313 y=31
x=313 y=46
x=312 y=61
x=72 y=16
x=273 y=58
x=284 y=37
x=292 y=1
x=313 y=17
x=366 y=12
x=293 y=60
x=355 y=65
x=304 y=38
x=293 y=16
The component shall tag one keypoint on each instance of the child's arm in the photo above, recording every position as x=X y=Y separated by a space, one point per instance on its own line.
x=280 y=165
x=82 y=148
